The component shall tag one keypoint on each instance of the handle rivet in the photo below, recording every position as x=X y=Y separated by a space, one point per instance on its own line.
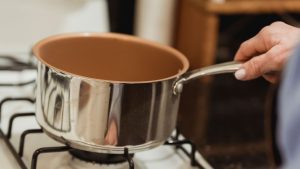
x=178 y=88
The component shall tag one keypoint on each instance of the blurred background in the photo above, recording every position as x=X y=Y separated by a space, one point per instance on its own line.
x=231 y=122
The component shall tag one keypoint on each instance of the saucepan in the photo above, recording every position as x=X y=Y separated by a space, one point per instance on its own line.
x=104 y=92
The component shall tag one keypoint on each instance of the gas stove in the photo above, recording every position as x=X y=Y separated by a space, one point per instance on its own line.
x=24 y=145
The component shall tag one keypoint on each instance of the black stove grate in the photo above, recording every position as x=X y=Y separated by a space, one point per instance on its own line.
x=173 y=141
x=100 y=158
x=15 y=65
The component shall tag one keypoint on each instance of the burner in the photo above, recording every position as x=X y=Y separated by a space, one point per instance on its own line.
x=100 y=158
x=75 y=163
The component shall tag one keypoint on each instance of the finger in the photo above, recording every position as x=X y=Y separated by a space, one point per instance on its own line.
x=272 y=78
x=277 y=57
x=271 y=61
x=253 y=68
x=250 y=48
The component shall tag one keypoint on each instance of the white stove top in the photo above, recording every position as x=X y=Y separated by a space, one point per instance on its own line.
x=159 y=158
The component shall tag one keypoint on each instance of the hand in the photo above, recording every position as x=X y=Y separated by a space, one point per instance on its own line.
x=266 y=53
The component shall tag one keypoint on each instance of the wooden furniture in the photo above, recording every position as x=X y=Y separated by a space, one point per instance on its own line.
x=197 y=36
x=198 y=23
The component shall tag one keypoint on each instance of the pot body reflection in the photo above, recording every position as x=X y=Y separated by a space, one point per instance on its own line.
x=101 y=116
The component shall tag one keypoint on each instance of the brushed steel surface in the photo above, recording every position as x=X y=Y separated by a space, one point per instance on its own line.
x=100 y=116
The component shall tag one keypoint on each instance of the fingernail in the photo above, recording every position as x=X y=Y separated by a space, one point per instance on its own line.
x=240 y=74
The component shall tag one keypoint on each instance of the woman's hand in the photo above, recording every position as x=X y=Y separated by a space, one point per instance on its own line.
x=266 y=53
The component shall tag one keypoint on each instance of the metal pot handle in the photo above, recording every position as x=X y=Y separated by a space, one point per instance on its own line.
x=226 y=67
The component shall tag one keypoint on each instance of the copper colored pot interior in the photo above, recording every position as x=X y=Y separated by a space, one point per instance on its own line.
x=111 y=57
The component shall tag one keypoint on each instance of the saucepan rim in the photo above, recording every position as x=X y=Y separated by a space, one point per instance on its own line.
x=133 y=39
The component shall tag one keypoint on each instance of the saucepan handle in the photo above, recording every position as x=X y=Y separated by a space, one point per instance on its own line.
x=226 y=67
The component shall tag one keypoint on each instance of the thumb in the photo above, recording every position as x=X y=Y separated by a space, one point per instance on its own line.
x=253 y=68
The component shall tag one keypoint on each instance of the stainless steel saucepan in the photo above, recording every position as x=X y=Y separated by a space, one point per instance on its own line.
x=106 y=92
